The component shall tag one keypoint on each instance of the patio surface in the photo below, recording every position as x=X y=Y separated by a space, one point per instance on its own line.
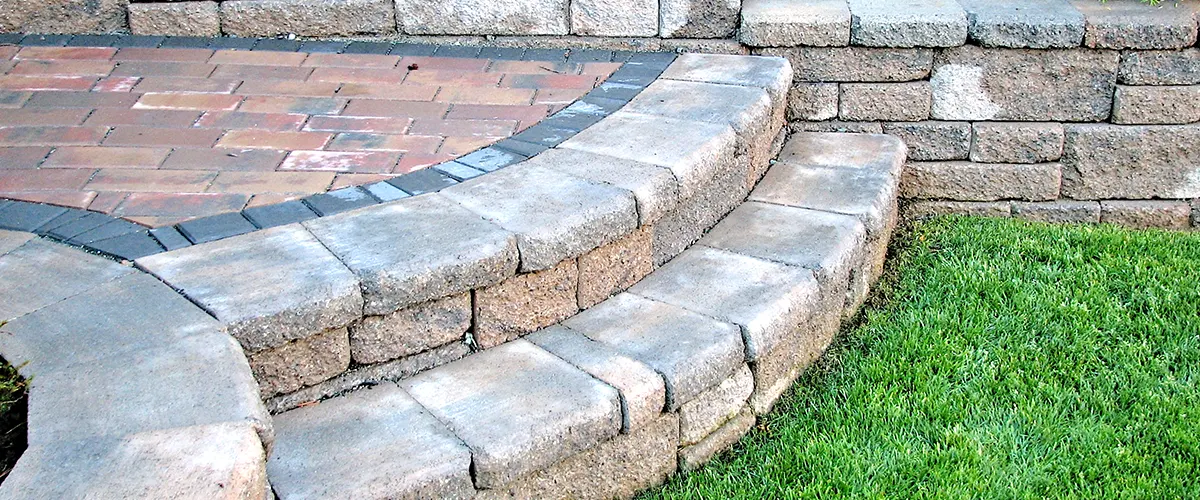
x=164 y=135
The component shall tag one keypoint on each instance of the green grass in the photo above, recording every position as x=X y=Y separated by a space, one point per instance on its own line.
x=1000 y=359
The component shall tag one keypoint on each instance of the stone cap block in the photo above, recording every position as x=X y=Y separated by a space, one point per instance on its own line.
x=39 y=273
x=864 y=194
x=10 y=240
x=1034 y=24
x=911 y=23
x=374 y=443
x=878 y=153
x=1131 y=24
x=773 y=74
x=417 y=249
x=518 y=408
x=785 y=23
x=747 y=109
x=856 y=64
x=268 y=287
x=554 y=215
x=653 y=186
x=704 y=415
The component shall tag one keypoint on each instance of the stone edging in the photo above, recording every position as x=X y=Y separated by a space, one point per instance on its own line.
x=124 y=240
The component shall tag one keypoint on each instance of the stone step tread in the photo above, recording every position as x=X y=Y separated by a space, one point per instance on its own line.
x=38 y=273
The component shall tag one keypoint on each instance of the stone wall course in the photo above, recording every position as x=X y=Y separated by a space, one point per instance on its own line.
x=912 y=23
x=483 y=17
x=623 y=18
x=1156 y=105
x=615 y=267
x=981 y=181
x=1160 y=67
x=1035 y=24
x=698 y=18
x=855 y=64
x=713 y=408
x=1058 y=212
x=410 y=330
x=908 y=101
x=926 y=208
x=694 y=456
x=1131 y=162
x=1016 y=142
x=301 y=363
x=175 y=19
x=315 y=18
x=933 y=140
x=1128 y=24
x=524 y=303
x=63 y=16
x=813 y=102
x=782 y=23
x=1143 y=214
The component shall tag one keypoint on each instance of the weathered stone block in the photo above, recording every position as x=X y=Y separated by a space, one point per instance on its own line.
x=884 y=101
x=307 y=17
x=1035 y=24
x=483 y=17
x=410 y=330
x=772 y=74
x=268 y=287
x=301 y=363
x=11 y=240
x=698 y=18
x=1131 y=162
x=837 y=126
x=1157 y=105
x=915 y=23
x=880 y=154
x=1160 y=67
x=653 y=186
x=1016 y=142
x=711 y=409
x=923 y=208
x=63 y=16
x=747 y=109
x=524 y=303
x=1058 y=212
x=695 y=214
x=782 y=23
x=964 y=181
x=1140 y=214
x=813 y=101
x=614 y=17
x=614 y=267
x=175 y=19
x=929 y=140
x=373 y=443
x=39 y=273
x=855 y=64
x=694 y=456
x=972 y=83
x=1129 y=24
x=518 y=408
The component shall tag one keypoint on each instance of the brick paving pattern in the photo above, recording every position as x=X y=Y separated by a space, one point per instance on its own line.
x=161 y=135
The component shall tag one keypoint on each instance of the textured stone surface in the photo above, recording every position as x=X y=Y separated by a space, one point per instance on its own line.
x=373 y=443
x=972 y=83
x=783 y=23
x=813 y=101
x=39 y=273
x=410 y=330
x=417 y=249
x=268 y=287
x=614 y=267
x=694 y=456
x=554 y=215
x=62 y=16
x=519 y=409
x=911 y=23
x=698 y=18
x=884 y=101
x=1016 y=142
x=614 y=17
x=1140 y=214
x=931 y=140
x=879 y=154
x=524 y=303
x=175 y=19
x=1157 y=105
x=482 y=17
x=653 y=186
x=301 y=363
x=11 y=240
x=839 y=127
x=695 y=214
x=1160 y=67
x=307 y=17
x=768 y=73
x=855 y=64
x=643 y=395
x=712 y=408
x=219 y=461
x=1128 y=24
x=919 y=209
x=1058 y=212
x=965 y=181
x=692 y=352
x=1035 y=24
x=746 y=109
x=1114 y=161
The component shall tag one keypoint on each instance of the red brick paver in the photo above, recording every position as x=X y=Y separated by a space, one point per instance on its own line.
x=160 y=136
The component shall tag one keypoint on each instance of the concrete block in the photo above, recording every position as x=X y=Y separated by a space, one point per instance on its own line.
x=713 y=408
x=912 y=23
x=930 y=140
x=1016 y=142
x=613 y=268
x=772 y=74
x=855 y=64
x=965 y=181
x=695 y=214
x=694 y=456
x=483 y=17
x=837 y=126
x=301 y=362
x=1034 y=24
x=1143 y=214
x=782 y=23
x=175 y=19
x=1129 y=24
x=908 y=101
x=653 y=186
x=410 y=330
x=926 y=208
x=1058 y=212
x=813 y=102
x=307 y=17
x=880 y=154
x=1157 y=105
x=614 y=17
x=63 y=16
x=1131 y=162
x=1160 y=67
x=11 y=240
x=39 y=273
x=524 y=303
x=698 y=18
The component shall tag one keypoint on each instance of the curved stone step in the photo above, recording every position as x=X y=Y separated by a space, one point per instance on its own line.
x=615 y=398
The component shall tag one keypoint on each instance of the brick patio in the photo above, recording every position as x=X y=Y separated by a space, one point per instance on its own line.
x=160 y=136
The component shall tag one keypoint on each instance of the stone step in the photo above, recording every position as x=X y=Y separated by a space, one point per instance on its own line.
x=615 y=398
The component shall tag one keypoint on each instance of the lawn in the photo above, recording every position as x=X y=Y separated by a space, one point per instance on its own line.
x=1000 y=359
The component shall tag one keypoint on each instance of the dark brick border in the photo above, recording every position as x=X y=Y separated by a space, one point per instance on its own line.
x=125 y=240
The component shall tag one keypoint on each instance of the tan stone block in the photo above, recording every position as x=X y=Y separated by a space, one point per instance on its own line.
x=694 y=456
x=712 y=408
x=410 y=330
x=525 y=303
x=301 y=363
x=614 y=267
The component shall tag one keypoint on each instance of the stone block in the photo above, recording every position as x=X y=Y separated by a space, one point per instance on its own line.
x=914 y=23
x=836 y=126
x=268 y=287
x=1016 y=142
x=653 y=186
x=930 y=140
x=63 y=16
x=1143 y=214
x=698 y=18
x=219 y=461
x=416 y=250
x=747 y=109
x=1034 y=24
x=694 y=456
x=524 y=303
x=613 y=268
x=11 y=240
x=1160 y=67
x=301 y=363
x=482 y=17
x=711 y=409
x=965 y=181
x=554 y=215
x=1058 y=212
x=175 y=19
x=695 y=214
x=307 y=17
x=855 y=64
x=782 y=23
x=518 y=408
x=1157 y=105
x=374 y=443
x=39 y=273
x=813 y=102
x=1130 y=24
x=691 y=351
x=924 y=208
x=772 y=74
x=1131 y=162
x=643 y=395
x=614 y=17
x=973 y=83
x=410 y=330
x=618 y=468
x=880 y=154
x=908 y=101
